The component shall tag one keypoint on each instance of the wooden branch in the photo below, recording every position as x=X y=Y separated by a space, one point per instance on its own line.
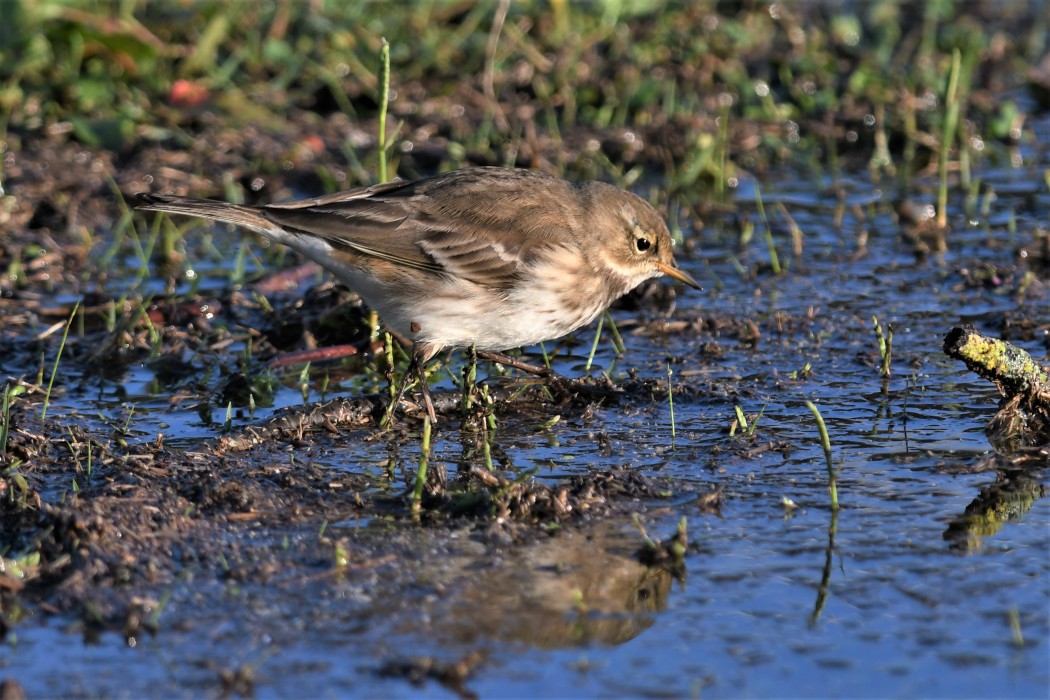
x=1024 y=413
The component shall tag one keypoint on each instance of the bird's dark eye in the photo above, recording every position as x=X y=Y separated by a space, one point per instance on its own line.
x=642 y=244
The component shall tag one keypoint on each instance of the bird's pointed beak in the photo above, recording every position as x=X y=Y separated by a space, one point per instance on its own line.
x=672 y=271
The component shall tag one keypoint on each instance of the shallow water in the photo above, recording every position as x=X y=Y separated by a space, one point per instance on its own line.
x=773 y=604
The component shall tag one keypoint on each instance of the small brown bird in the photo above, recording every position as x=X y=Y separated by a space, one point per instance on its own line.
x=496 y=258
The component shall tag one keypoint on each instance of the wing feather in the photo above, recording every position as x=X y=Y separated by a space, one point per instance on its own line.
x=461 y=224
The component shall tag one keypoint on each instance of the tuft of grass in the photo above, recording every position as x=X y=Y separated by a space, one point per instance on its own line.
x=825 y=443
x=746 y=428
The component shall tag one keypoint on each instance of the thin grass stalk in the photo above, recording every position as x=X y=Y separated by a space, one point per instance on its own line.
x=825 y=443
x=488 y=76
x=594 y=345
x=964 y=133
x=911 y=144
x=384 y=104
x=951 y=120
x=6 y=416
x=670 y=401
x=5 y=119
x=304 y=383
x=486 y=449
x=774 y=259
x=618 y=345
x=325 y=381
x=490 y=414
x=9 y=393
x=391 y=368
x=723 y=149
x=795 y=229
x=240 y=265
x=546 y=356
x=421 y=471
x=58 y=358
x=888 y=357
x=885 y=341
x=391 y=364
x=1016 y=636
x=741 y=420
x=470 y=379
x=825 y=577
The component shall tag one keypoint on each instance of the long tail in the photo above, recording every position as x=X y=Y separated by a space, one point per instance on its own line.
x=225 y=212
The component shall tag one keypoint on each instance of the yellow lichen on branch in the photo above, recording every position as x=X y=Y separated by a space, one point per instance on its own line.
x=1024 y=413
x=1013 y=370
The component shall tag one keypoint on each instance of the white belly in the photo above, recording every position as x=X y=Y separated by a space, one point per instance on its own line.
x=453 y=313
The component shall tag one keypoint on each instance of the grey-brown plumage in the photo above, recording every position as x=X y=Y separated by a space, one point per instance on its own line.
x=492 y=257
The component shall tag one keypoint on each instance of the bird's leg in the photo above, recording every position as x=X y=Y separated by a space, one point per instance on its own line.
x=418 y=367
x=425 y=388
x=396 y=397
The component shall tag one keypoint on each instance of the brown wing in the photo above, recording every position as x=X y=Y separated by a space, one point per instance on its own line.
x=480 y=224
